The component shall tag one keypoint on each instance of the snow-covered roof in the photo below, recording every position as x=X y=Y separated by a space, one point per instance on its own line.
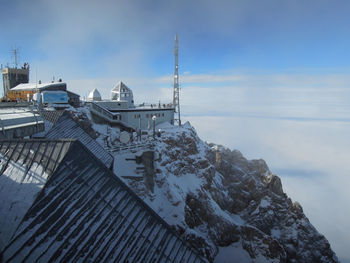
x=25 y=168
x=19 y=122
x=31 y=86
x=18 y=117
x=69 y=207
x=94 y=95
x=66 y=127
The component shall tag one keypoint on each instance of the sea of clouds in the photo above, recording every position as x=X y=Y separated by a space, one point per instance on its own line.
x=299 y=123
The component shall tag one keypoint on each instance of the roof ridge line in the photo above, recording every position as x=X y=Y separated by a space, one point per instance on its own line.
x=40 y=140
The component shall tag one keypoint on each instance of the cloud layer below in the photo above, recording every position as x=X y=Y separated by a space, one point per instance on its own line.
x=298 y=122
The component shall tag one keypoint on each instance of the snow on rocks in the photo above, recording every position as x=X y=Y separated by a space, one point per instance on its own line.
x=222 y=203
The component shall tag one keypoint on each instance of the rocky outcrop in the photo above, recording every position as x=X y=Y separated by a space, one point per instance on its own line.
x=84 y=122
x=241 y=200
x=214 y=197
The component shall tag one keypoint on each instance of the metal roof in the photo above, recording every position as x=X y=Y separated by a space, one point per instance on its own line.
x=34 y=86
x=83 y=211
x=51 y=115
x=66 y=127
x=19 y=122
x=24 y=170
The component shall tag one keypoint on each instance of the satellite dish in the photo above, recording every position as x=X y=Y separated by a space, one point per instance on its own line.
x=124 y=137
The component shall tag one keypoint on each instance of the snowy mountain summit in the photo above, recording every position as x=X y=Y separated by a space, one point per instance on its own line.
x=231 y=209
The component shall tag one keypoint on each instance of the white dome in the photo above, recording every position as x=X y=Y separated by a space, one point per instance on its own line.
x=94 y=95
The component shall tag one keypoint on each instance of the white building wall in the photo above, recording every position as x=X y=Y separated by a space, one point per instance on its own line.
x=143 y=118
x=117 y=112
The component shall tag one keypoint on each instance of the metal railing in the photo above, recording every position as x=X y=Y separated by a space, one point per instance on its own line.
x=131 y=147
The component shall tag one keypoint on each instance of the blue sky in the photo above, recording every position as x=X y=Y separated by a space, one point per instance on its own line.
x=88 y=38
x=269 y=77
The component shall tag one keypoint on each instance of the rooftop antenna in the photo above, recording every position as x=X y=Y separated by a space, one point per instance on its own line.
x=15 y=54
x=176 y=96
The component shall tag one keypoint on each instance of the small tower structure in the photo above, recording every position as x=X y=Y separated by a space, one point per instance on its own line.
x=122 y=93
x=176 y=96
x=14 y=76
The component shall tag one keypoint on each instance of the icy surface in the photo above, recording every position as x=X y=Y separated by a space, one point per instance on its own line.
x=18 y=189
x=233 y=253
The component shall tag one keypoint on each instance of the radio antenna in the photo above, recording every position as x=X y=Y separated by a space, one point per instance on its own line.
x=176 y=96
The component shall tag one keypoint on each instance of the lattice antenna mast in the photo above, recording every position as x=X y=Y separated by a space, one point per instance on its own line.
x=176 y=96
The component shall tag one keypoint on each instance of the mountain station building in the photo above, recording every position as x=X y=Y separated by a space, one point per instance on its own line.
x=121 y=110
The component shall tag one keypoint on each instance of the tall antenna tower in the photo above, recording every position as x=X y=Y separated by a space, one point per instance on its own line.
x=176 y=96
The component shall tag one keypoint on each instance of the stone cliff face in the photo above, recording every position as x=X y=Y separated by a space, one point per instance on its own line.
x=217 y=199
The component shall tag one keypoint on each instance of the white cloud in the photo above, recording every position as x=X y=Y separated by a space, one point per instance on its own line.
x=299 y=124
x=310 y=157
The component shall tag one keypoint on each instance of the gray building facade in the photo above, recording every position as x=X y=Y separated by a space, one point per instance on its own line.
x=14 y=76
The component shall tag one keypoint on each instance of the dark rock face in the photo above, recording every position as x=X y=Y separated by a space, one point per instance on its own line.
x=275 y=185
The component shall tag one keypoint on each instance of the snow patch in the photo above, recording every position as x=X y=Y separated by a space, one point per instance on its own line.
x=265 y=203
x=18 y=190
x=232 y=253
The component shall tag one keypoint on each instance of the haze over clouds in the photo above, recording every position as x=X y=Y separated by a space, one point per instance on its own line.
x=270 y=78
x=299 y=125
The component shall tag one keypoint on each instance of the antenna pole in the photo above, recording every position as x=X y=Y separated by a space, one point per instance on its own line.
x=176 y=96
x=15 y=53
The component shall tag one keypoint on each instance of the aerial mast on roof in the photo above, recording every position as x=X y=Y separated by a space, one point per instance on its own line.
x=15 y=54
x=176 y=97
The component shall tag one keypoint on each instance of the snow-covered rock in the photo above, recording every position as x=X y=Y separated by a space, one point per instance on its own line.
x=230 y=208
